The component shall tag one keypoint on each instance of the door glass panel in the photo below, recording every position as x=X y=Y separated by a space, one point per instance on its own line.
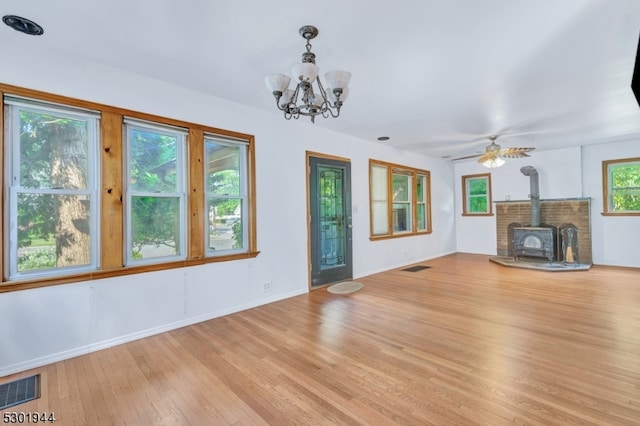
x=331 y=216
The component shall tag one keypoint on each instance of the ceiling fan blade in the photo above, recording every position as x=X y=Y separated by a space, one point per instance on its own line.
x=515 y=152
x=519 y=155
x=487 y=157
x=467 y=157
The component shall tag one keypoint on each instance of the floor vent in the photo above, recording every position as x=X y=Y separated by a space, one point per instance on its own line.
x=19 y=391
x=416 y=268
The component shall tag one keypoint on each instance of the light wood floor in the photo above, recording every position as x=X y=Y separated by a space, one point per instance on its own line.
x=465 y=342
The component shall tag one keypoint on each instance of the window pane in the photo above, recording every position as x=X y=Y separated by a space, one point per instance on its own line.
x=478 y=205
x=53 y=231
x=422 y=217
x=401 y=187
x=225 y=224
x=401 y=217
x=477 y=186
x=379 y=183
x=420 y=190
x=380 y=212
x=155 y=227
x=223 y=169
x=625 y=175
x=152 y=161
x=626 y=200
x=53 y=151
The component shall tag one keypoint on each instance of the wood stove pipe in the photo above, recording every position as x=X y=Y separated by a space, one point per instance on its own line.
x=534 y=195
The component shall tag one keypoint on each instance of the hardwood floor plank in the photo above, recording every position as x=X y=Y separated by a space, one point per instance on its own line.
x=466 y=342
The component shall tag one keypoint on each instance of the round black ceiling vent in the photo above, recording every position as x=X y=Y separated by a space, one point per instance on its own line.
x=23 y=25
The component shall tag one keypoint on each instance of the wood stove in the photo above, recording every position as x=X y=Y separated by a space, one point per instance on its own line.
x=535 y=241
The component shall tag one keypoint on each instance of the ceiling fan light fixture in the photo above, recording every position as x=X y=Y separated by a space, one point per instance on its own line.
x=493 y=163
x=308 y=97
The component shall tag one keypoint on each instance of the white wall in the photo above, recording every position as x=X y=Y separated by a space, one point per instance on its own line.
x=52 y=323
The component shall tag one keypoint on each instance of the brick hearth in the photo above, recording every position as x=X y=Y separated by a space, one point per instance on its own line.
x=575 y=211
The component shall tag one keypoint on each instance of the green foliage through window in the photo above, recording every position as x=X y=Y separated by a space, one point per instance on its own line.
x=155 y=202
x=477 y=195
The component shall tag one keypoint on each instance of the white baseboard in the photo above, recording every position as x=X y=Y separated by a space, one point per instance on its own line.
x=104 y=344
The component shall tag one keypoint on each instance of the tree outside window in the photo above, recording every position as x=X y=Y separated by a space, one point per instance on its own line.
x=476 y=193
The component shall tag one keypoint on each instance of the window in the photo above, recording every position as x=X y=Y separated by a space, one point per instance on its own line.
x=400 y=200
x=476 y=195
x=155 y=207
x=226 y=187
x=52 y=189
x=621 y=187
x=94 y=191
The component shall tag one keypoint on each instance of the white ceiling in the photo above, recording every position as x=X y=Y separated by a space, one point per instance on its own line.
x=436 y=77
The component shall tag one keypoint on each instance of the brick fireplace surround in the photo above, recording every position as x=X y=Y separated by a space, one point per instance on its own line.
x=557 y=212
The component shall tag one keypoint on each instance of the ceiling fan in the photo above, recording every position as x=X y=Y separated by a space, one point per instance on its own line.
x=494 y=154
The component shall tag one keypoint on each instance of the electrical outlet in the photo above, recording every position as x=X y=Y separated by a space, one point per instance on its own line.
x=266 y=286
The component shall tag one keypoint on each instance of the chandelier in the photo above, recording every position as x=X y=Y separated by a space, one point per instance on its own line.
x=303 y=99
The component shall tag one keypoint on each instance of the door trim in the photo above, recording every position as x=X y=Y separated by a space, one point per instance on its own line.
x=309 y=154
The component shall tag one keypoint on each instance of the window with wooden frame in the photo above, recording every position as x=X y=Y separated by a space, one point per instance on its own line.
x=621 y=187
x=155 y=204
x=476 y=195
x=94 y=191
x=226 y=195
x=51 y=182
x=400 y=200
